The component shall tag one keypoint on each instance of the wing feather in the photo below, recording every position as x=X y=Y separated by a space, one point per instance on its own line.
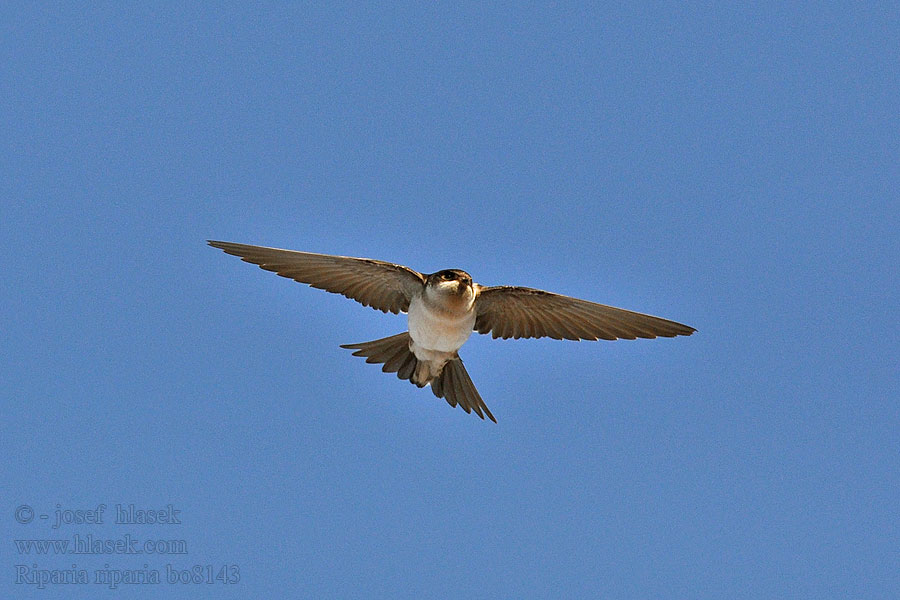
x=382 y=285
x=509 y=311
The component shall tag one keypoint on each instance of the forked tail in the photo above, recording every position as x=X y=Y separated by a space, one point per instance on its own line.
x=453 y=384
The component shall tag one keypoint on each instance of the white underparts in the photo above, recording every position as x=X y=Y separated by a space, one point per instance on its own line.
x=437 y=335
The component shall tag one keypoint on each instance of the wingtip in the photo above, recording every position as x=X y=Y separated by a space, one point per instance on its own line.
x=682 y=329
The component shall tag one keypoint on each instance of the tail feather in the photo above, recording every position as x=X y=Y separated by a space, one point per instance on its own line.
x=393 y=364
x=393 y=351
x=380 y=350
x=453 y=384
x=456 y=387
x=437 y=386
x=452 y=389
x=408 y=368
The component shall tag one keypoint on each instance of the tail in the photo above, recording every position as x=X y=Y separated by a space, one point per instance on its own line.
x=452 y=383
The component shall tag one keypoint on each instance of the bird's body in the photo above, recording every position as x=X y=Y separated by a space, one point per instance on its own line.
x=444 y=308
x=440 y=321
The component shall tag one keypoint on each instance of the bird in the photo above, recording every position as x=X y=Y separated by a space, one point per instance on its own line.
x=443 y=309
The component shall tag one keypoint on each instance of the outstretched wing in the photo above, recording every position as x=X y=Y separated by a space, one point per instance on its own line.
x=519 y=312
x=376 y=283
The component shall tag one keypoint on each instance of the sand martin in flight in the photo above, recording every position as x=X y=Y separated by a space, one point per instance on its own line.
x=443 y=309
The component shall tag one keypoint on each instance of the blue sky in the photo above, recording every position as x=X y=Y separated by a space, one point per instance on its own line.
x=732 y=168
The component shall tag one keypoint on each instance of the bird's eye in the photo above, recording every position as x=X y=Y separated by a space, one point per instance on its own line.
x=448 y=275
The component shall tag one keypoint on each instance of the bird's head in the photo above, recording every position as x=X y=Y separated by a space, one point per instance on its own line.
x=451 y=286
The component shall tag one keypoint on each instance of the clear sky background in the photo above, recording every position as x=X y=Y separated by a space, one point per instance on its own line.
x=732 y=168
